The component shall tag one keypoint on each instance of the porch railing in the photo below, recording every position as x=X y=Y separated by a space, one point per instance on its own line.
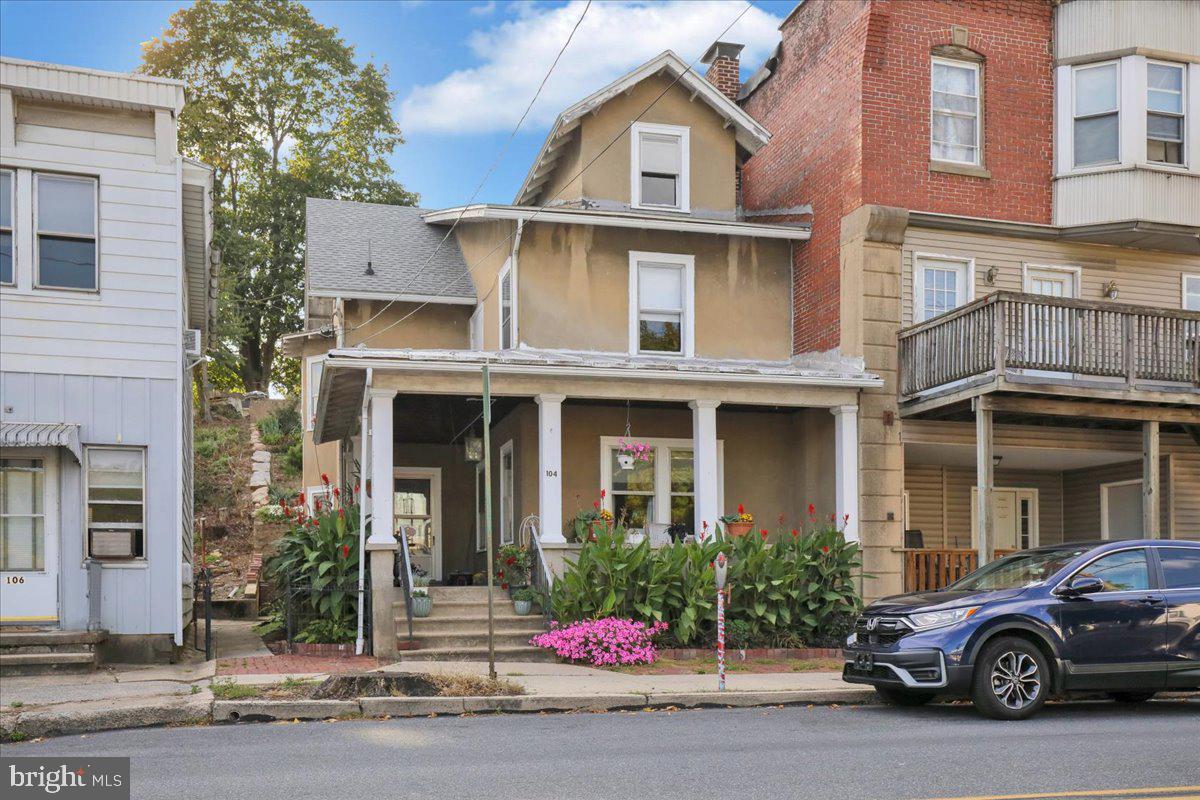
x=1070 y=338
x=541 y=579
x=926 y=570
x=403 y=575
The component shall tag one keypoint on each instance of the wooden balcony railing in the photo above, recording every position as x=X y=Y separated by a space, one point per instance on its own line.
x=1070 y=338
x=927 y=570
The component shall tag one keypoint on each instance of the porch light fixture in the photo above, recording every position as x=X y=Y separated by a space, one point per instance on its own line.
x=990 y=276
x=996 y=460
x=473 y=448
x=1110 y=290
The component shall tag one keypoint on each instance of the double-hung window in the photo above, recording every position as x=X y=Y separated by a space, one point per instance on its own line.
x=508 y=321
x=1191 y=292
x=1096 y=110
x=7 y=191
x=1164 y=112
x=955 y=133
x=660 y=166
x=22 y=514
x=940 y=285
x=65 y=210
x=659 y=488
x=116 y=493
x=661 y=298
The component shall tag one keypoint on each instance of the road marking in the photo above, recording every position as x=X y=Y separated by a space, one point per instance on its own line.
x=1149 y=793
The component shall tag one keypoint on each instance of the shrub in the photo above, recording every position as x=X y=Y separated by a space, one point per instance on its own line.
x=790 y=587
x=283 y=495
x=293 y=460
x=512 y=566
x=603 y=642
x=329 y=631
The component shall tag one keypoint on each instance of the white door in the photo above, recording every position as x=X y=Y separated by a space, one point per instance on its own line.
x=1048 y=327
x=417 y=505
x=1014 y=519
x=1121 y=510
x=29 y=537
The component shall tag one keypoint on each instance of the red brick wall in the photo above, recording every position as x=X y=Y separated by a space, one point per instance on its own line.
x=812 y=108
x=1013 y=36
x=724 y=73
x=848 y=108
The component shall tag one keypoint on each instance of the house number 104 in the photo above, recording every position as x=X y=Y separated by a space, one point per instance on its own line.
x=551 y=473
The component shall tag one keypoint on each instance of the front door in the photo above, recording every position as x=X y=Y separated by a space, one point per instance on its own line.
x=1115 y=639
x=417 y=503
x=1121 y=510
x=29 y=537
x=1049 y=327
x=1014 y=519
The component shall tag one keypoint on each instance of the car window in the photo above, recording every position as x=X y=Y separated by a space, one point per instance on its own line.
x=1019 y=570
x=1124 y=571
x=1181 y=567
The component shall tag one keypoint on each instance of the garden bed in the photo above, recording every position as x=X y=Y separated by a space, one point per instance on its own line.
x=371 y=684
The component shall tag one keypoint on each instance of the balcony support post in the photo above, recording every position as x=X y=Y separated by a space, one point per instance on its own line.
x=984 y=478
x=1150 y=480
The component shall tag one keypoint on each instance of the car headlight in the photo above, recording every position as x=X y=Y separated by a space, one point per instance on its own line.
x=852 y=640
x=939 y=619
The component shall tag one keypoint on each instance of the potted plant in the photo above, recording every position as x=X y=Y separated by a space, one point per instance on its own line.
x=588 y=522
x=632 y=452
x=512 y=567
x=523 y=600
x=738 y=524
x=422 y=603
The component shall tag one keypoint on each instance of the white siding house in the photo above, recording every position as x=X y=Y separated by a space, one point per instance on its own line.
x=107 y=283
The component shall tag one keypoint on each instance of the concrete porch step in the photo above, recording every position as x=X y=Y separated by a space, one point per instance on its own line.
x=50 y=639
x=464 y=593
x=458 y=640
x=454 y=608
x=12 y=664
x=503 y=622
x=507 y=653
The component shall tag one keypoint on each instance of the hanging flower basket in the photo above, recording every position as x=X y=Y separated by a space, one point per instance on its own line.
x=632 y=452
x=626 y=460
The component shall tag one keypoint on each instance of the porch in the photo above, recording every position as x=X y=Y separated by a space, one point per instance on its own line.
x=1036 y=420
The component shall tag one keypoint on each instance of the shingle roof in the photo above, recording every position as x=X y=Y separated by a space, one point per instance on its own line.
x=408 y=256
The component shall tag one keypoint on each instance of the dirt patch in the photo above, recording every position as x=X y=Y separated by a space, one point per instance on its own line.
x=350 y=687
x=708 y=666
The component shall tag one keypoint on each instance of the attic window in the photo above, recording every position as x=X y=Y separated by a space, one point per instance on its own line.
x=659 y=178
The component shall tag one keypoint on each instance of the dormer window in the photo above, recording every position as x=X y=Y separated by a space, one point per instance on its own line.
x=659 y=177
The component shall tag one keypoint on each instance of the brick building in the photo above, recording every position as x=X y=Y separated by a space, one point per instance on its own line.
x=960 y=162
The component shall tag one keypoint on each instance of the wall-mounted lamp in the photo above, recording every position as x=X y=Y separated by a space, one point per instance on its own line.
x=996 y=460
x=990 y=276
x=1110 y=290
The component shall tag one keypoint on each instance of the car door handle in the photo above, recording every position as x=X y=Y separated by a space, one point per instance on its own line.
x=1151 y=601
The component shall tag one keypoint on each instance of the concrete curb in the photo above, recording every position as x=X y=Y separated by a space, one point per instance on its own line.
x=104 y=715
x=271 y=710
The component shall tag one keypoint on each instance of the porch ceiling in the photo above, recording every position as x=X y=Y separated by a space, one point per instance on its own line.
x=1027 y=458
x=441 y=419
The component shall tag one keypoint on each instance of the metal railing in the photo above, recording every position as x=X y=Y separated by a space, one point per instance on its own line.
x=541 y=579
x=329 y=605
x=1057 y=337
x=402 y=574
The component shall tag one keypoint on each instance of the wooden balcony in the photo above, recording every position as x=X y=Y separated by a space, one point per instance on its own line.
x=928 y=569
x=1010 y=340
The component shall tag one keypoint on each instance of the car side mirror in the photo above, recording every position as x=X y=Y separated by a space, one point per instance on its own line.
x=1081 y=585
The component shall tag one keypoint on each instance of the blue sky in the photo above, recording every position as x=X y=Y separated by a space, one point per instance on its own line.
x=462 y=70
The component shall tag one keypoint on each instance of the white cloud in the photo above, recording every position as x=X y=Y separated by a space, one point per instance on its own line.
x=614 y=38
x=483 y=9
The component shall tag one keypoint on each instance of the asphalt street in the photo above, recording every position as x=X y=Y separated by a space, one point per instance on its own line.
x=868 y=752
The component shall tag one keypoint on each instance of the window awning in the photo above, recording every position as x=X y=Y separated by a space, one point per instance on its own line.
x=42 y=434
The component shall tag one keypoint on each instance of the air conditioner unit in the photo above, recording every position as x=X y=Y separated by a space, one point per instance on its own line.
x=191 y=342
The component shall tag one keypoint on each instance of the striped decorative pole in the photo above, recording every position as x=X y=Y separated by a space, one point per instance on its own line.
x=721 y=566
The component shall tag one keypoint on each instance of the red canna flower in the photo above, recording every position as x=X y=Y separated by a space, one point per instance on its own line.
x=833 y=517
x=846 y=518
x=345 y=551
x=812 y=509
x=500 y=574
x=504 y=586
x=300 y=499
x=603 y=494
x=795 y=533
x=825 y=549
x=596 y=505
x=324 y=479
x=337 y=492
x=342 y=513
x=704 y=524
x=510 y=561
x=741 y=509
x=287 y=512
x=764 y=534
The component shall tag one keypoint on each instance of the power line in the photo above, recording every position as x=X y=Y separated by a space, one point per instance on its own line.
x=565 y=184
x=488 y=174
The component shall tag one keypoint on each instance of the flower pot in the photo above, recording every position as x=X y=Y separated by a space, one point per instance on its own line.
x=738 y=528
x=422 y=606
x=523 y=607
x=625 y=460
x=600 y=526
x=634 y=538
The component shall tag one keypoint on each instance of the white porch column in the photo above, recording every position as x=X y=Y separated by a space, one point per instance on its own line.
x=382 y=482
x=845 y=479
x=705 y=475
x=550 y=467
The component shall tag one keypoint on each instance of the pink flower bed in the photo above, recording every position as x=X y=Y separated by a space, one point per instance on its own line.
x=607 y=642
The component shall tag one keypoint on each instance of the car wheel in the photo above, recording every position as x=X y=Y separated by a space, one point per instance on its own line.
x=1011 y=679
x=1131 y=697
x=901 y=697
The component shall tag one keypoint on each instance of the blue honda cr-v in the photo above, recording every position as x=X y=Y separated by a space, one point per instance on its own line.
x=1118 y=617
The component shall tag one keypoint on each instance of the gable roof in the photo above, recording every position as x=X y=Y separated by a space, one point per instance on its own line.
x=750 y=134
x=408 y=256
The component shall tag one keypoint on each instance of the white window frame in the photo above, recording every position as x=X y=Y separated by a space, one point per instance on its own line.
x=635 y=171
x=311 y=393
x=978 y=115
x=506 y=271
x=662 y=472
x=920 y=260
x=1182 y=115
x=1076 y=274
x=1105 y=533
x=11 y=229
x=1184 y=292
x=508 y=527
x=87 y=546
x=37 y=232
x=1075 y=70
x=687 y=334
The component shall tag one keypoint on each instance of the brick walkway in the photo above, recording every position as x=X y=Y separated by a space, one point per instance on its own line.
x=295 y=665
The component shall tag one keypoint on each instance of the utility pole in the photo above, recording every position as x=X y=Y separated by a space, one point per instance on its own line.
x=487 y=513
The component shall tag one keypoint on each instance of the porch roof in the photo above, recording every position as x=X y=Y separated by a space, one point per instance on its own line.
x=42 y=434
x=343 y=378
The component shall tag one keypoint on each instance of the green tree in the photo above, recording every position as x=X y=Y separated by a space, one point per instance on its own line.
x=278 y=107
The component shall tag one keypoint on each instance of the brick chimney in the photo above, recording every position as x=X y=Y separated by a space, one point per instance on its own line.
x=724 y=68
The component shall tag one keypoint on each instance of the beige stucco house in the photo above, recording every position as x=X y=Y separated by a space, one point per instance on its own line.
x=622 y=295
